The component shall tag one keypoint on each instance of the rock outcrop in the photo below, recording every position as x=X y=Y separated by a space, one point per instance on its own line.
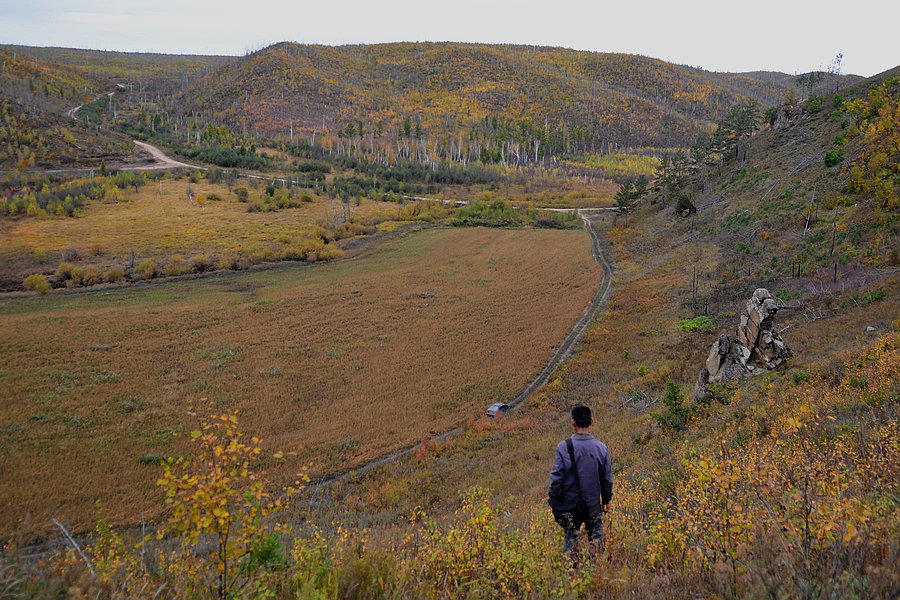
x=755 y=349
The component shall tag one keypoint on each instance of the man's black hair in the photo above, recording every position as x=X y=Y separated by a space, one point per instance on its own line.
x=581 y=414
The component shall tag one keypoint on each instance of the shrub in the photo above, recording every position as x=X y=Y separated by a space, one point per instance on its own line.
x=800 y=377
x=91 y=276
x=866 y=298
x=201 y=262
x=177 y=266
x=113 y=275
x=677 y=415
x=703 y=323
x=220 y=497
x=213 y=197
x=242 y=194
x=146 y=269
x=229 y=261
x=36 y=282
x=330 y=252
x=834 y=157
x=64 y=270
x=309 y=246
x=75 y=275
x=151 y=459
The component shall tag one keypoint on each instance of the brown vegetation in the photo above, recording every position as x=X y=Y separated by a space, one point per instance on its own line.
x=342 y=363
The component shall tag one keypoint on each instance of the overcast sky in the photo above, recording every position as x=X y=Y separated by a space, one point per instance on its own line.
x=717 y=35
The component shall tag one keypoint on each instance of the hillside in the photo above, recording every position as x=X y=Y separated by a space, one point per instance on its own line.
x=574 y=101
x=35 y=131
x=148 y=72
x=39 y=86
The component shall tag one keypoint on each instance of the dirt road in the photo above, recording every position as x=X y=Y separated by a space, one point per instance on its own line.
x=162 y=161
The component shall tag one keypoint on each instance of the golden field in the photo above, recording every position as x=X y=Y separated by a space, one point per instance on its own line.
x=160 y=221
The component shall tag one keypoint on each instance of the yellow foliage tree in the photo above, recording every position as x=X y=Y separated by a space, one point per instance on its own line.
x=219 y=497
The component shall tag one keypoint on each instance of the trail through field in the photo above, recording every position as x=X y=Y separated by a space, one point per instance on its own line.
x=563 y=352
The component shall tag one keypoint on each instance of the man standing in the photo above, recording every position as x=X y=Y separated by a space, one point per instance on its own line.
x=581 y=483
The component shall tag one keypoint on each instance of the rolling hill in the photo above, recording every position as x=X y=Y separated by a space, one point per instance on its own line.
x=579 y=100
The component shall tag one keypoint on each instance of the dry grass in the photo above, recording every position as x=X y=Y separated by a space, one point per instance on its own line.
x=344 y=361
x=157 y=225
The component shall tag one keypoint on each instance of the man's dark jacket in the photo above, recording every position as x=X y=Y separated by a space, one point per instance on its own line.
x=594 y=470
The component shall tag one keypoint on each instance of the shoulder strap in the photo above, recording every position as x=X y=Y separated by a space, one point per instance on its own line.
x=571 y=447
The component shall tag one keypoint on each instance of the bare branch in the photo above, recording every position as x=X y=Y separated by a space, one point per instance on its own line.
x=75 y=545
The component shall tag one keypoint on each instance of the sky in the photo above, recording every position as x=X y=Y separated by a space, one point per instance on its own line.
x=720 y=35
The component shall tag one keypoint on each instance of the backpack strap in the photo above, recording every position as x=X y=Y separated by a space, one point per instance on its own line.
x=571 y=447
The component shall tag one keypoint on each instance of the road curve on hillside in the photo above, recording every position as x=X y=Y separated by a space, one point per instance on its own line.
x=162 y=161
x=563 y=352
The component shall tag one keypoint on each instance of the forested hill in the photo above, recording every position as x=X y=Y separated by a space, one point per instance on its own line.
x=579 y=100
x=140 y=71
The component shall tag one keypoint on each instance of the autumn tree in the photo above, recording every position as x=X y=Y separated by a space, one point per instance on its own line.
x=220 y=495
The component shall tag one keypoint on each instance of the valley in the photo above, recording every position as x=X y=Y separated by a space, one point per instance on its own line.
x=354 y=250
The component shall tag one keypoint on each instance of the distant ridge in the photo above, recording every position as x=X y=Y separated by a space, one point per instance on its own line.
x=449 y=88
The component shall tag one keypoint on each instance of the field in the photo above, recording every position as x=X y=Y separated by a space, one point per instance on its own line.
x=160 y=221
x=340 y=362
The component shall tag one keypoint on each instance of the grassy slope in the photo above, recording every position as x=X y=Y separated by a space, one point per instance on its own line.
x=41 y=84
x=146 y=71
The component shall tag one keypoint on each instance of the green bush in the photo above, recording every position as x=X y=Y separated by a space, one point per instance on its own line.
x=703 y=323
x=834 y=157
x=151 y=459
x=866 y=298
x=676 y=417
x=800 y=377
x=36 y=282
